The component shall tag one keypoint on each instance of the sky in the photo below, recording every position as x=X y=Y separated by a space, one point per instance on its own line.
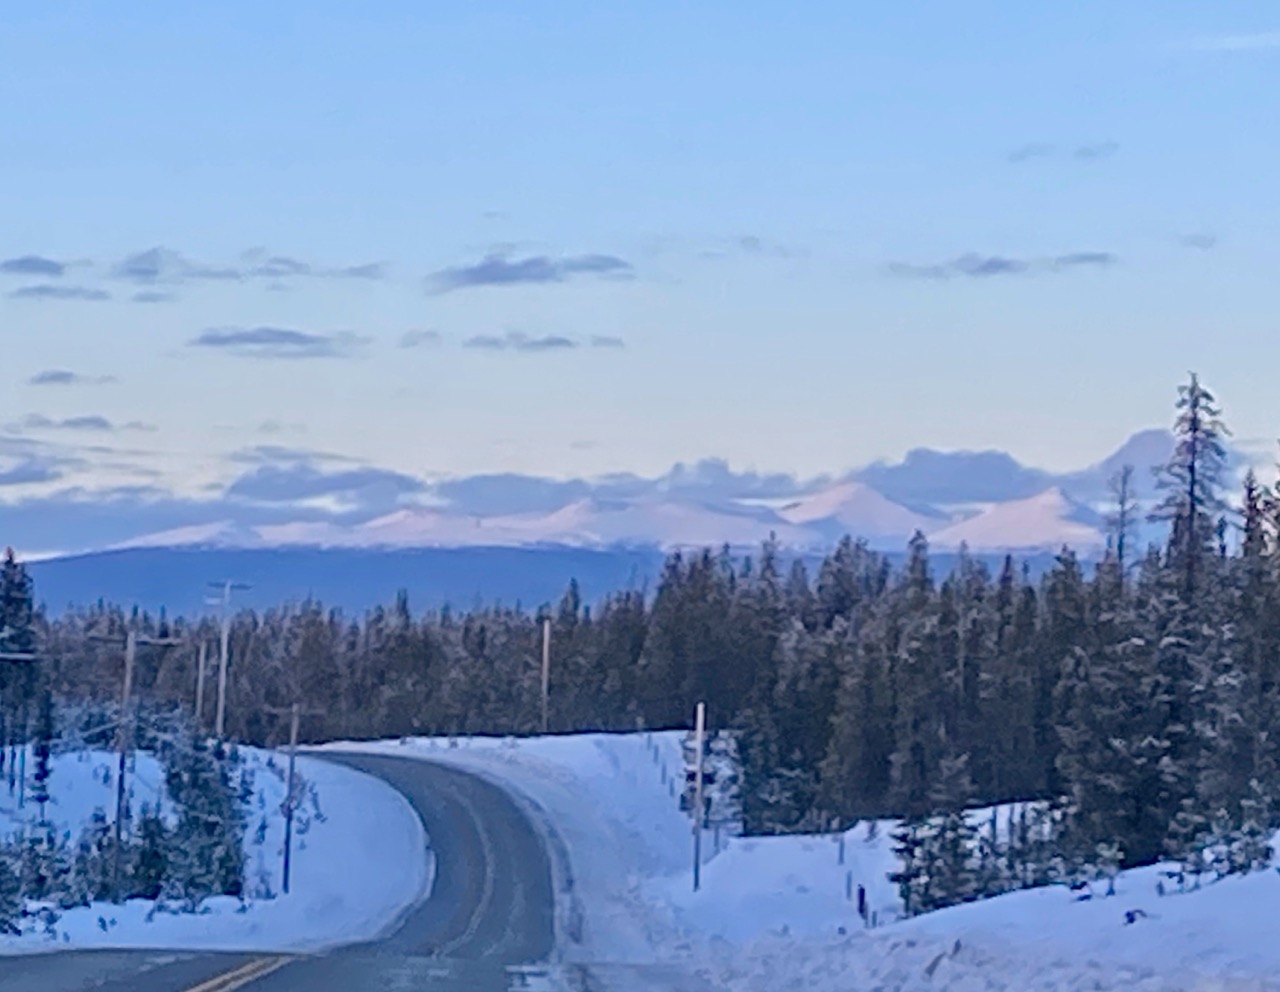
x=574 y=238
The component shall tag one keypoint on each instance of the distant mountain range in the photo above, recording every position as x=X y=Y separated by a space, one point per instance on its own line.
x=515 y=538
x=986 y=500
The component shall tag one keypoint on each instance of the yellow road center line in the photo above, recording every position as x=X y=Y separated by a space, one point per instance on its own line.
x=237 y=978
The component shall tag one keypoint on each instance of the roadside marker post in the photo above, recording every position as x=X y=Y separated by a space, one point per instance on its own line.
x=699 y=736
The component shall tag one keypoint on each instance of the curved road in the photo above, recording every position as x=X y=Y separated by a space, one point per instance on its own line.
x=489 y=923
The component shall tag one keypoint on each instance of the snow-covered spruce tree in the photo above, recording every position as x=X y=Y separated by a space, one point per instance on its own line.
x=45 y=865
x=949 y=850
x=912 y=876
x=1065 y=629
x=1191 y=649
x=150 y=856
x=855 y=770
x=43 y=755
x=207 y=853
x=1103 y=763
x=1122 y=521
x=11 y=900
x=17 y=681
x=992 y=859
x=1191 y=484
x=1108 y=860
x=1251 y=848
x=93 y=858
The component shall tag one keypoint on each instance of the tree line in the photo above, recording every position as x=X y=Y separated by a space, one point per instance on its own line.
x=1132 y=697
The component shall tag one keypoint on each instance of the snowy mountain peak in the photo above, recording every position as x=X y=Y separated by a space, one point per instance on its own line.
x=856 y=506
x=1046 y=521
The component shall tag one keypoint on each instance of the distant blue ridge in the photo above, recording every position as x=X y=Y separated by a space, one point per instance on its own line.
x=356 y=580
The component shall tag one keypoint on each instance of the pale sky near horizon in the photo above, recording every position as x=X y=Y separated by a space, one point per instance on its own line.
x=573 y=238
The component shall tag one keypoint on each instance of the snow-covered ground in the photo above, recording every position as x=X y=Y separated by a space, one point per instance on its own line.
x=359 y=861
x=773 y=914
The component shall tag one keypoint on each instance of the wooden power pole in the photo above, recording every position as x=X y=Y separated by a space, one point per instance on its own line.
x=124 y=739
x=224 y=649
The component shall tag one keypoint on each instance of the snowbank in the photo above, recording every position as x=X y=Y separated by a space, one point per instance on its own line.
x=771 y=911
x=359 y=861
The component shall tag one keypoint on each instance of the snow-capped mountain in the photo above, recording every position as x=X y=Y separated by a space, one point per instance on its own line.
x=985 y=499
x=1046 y=521
x=586 y=522
x=855 y=508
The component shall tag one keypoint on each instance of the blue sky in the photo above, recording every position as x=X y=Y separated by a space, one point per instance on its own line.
x=573 y=238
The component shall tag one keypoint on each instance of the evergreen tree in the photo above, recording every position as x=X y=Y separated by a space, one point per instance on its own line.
x=207 y=848
x=151 y=857
x=11 y=900
x=43 y=753
x=912 y=877
x=950 y=848
x=1191 y=483
x=17 y=677
x=1123 y=518
x=17 y=607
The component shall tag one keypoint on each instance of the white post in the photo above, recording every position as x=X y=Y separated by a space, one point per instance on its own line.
x=546 y=673
x=224 y=602
x=699 y=734
x=200 y=667
x=288 y=809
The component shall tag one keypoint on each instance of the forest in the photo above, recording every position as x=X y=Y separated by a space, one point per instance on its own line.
x=1128 y=700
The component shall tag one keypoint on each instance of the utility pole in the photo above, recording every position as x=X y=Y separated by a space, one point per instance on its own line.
x=224 y=649
x=546 y=673
x=200 y=667
x=124 y=738
x=290 y=802
x=699 y=737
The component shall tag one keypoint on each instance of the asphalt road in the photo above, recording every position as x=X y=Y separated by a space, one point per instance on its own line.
x=487 y=927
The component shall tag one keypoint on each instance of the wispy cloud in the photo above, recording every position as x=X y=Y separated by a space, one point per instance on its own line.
x=419 y=339
x=1082 y=260
x=1040 y=150
x=33 y=265
x=515 y=341
x=1200 y=242
x=153 y=296
x=65 y=377
x=1088 y=153
x=279 y=342
x=88 y=423
x=165 y=266
x=751 y=245
x=45 y=291
x=258 y=264
x=976 y=266
x=502 y=270
x=275 y=427
x=275 y=454
x=29 y=471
